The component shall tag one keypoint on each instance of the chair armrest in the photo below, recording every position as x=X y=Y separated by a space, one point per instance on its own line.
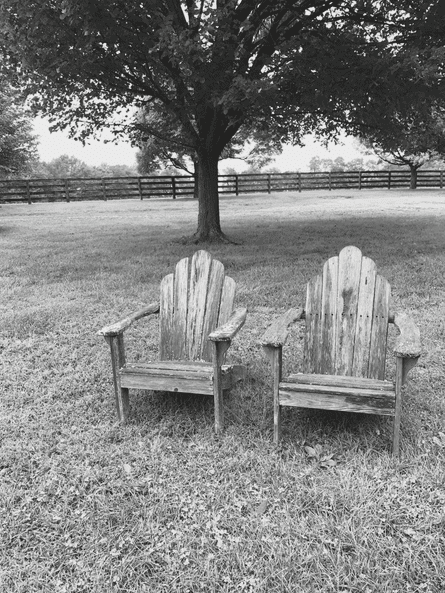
x=118 y=328
x=408 y=342
x=276 y=334
x=226 y=332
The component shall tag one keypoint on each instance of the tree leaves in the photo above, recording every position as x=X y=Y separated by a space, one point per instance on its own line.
x=18 y=145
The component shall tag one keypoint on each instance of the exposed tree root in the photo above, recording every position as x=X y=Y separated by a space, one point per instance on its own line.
x=212 y=236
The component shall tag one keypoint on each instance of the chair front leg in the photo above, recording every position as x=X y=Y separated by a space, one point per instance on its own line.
x=398 y=406
x=403 y=366
x=219 y=352
x=117 y=362
x=275 y=355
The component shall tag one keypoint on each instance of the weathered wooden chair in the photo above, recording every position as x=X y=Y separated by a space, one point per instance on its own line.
x=347 y=315
x=197 y=324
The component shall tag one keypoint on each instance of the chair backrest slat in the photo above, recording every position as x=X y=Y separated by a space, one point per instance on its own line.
x=227 y=300
x=347 y=310
x=214 y=291
x=349 y=268
x=194 y=300
x=180 y=305
x=328 y=319
x=199 y=280
x=313 y=325
x=379 y=331
x=365 y=307
x=166 y=317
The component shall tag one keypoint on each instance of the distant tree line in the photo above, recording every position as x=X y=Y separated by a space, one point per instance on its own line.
x=70 y=166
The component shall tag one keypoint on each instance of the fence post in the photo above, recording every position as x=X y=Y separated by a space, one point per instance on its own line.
x=389 y=179
x=441 y=179
x=299 y=181
x=28 y=194
x=104 y=192
x=67 y=191
x=174 y=187
x=140 y=188
x=268 y=184
x=329 y=181
x=236 y=185
x=360 y=180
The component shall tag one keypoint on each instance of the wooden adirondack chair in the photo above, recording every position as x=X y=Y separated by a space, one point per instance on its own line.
x=197 y=324
x=347 y=315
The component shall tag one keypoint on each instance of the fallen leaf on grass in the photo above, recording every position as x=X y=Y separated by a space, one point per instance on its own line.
x=261 y=508
x=328 y=462
x=440 y=440
x=315 y=453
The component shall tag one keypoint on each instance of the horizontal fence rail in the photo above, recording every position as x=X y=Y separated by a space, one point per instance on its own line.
x=176 y=186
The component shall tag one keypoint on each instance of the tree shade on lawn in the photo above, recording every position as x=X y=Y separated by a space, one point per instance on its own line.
x=215 y=67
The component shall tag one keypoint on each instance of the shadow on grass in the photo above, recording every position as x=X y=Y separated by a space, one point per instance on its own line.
x=270 y=240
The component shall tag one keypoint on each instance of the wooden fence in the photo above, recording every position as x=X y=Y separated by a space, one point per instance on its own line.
x=110 y=188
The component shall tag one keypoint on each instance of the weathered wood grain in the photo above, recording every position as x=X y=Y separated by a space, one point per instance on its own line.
x=347 y=315
x=379 y=330
x=120 y=326
x=195 y=301
x=117 y=348
x=219 y=350
x=398 y=406
x=349 y=270
x=365 y=307
x=328 y=320
x=275 y=355
x=166 y=317
x=214 y=290
x=312 y=342
x=335 y=389
x=381 y=403
x=408 y=342
x=340 y=381
x=176 y=378
x=276 y=334
x=180 y=307
x=228 y=331
x=199 y=278
x=227 y=300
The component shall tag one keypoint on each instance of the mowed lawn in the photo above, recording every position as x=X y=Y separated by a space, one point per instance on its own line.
x=161 y=504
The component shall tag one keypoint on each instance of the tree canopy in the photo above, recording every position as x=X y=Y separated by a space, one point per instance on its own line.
x=18 y=145
x=290 y=66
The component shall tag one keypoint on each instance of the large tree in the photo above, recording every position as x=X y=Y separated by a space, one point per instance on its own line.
x=212 y=64
x=18 y=144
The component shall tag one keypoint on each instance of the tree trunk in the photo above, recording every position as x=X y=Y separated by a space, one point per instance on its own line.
x=413 y=179
x=209 y=227
x=195 y=185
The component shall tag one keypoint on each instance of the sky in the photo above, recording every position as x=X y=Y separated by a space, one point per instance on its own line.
x=55 y=144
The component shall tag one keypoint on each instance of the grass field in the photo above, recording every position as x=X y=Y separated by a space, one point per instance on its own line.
x=161 y=504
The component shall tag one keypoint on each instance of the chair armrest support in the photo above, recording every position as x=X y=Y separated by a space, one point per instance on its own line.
x=276 y=334
x=226 y=332
x=408 y=342
x=119 y=327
